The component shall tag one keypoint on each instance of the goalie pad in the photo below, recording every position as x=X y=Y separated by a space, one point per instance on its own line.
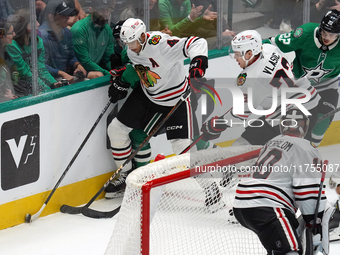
x=306 y=239
x=321 y=244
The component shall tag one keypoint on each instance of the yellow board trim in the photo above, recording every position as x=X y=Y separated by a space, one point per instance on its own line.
x=13 y=213
x=75 y=194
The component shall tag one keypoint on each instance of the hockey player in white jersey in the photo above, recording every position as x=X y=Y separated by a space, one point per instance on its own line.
x=265 y=68
x=158 y=60
x=285 y=178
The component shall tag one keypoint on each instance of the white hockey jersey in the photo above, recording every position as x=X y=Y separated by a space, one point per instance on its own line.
x=270 y=70
x=160 y=65
x=286 y=175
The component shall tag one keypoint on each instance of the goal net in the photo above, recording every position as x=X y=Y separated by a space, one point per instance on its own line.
x=177 y=206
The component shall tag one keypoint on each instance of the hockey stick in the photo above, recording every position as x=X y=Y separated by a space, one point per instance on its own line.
x=91 y=213
x=29 y=218
x=328 y=114
x=192 y=144
x=324 y=168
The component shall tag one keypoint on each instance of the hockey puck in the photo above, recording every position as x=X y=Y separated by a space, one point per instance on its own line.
x=28 y=218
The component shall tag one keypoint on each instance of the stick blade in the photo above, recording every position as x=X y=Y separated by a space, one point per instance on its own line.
x=70 y=209
x=88 y=212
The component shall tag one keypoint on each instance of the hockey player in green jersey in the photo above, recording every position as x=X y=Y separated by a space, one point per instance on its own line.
x=317 y=51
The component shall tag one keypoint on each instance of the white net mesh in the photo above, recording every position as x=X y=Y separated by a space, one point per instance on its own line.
x=182 y=217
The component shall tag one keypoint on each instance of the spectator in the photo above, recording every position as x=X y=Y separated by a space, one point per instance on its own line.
x=184 y=19
x=6 y=86
x=81 y=14
x=93 y=39
x=41 y=5
x=20 y=56
x=213 y=24
x=5 y=9
x=136 y=10
x=282 y=15
x=317 y=10
x=60 y=58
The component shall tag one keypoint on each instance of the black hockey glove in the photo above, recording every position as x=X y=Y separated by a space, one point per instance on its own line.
x=197 y=68
x=118 y=71
x=213 y=128
x=118 y=90
x=115 y=60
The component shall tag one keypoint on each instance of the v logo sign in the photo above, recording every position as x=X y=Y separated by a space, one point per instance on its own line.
x=17 y=150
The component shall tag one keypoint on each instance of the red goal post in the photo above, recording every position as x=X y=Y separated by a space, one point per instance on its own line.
x=163 y=207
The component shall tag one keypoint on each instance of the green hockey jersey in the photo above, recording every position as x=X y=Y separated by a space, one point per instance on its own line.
x=319 y=63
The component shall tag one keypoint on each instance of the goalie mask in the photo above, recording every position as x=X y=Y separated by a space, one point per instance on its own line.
x=132 y=30
x=248 y=40
x=294 y=123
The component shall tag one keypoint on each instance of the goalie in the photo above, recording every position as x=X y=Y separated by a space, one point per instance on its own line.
x=267 y=201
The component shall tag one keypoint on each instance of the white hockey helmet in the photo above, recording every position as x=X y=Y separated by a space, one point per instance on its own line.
x=334 y=181
x=245 y=41
x=132 y=29
x=295 y=123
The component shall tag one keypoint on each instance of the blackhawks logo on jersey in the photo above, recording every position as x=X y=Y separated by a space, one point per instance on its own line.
x=241 y=79
x=148 y=77
x=155 y=39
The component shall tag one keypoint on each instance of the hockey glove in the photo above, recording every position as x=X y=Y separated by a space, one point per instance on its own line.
x=213 y=128
x=118 y=90
x=118 y=71
x=197 y=68
x=116 y=60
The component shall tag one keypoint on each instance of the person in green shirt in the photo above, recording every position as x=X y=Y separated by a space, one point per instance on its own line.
x=184 y=19
x=93 y=40
x=6 y=87
x=20 y=60
x=317 y=51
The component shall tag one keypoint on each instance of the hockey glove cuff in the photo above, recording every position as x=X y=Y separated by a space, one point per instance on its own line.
x=197 y=68
x=118 y=71
x=213 y=128
x=118 y=90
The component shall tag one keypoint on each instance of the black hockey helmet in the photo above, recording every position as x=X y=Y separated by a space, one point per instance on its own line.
x=117 y=28
x=331 y=22
x=294 y=123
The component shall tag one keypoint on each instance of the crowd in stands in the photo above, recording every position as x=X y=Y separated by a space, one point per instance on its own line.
x=75 y=40
x=288 y=14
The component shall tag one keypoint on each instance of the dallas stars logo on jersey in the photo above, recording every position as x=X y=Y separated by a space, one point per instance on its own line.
x=317 y=73
x=148 y=77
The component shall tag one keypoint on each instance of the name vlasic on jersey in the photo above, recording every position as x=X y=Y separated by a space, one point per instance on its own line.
x=270 y=70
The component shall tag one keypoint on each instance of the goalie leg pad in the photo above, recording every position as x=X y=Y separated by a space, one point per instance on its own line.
x=328 y=214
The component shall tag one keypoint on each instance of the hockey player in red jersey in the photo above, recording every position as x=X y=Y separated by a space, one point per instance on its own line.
x=285 y=178
x=158 y=60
